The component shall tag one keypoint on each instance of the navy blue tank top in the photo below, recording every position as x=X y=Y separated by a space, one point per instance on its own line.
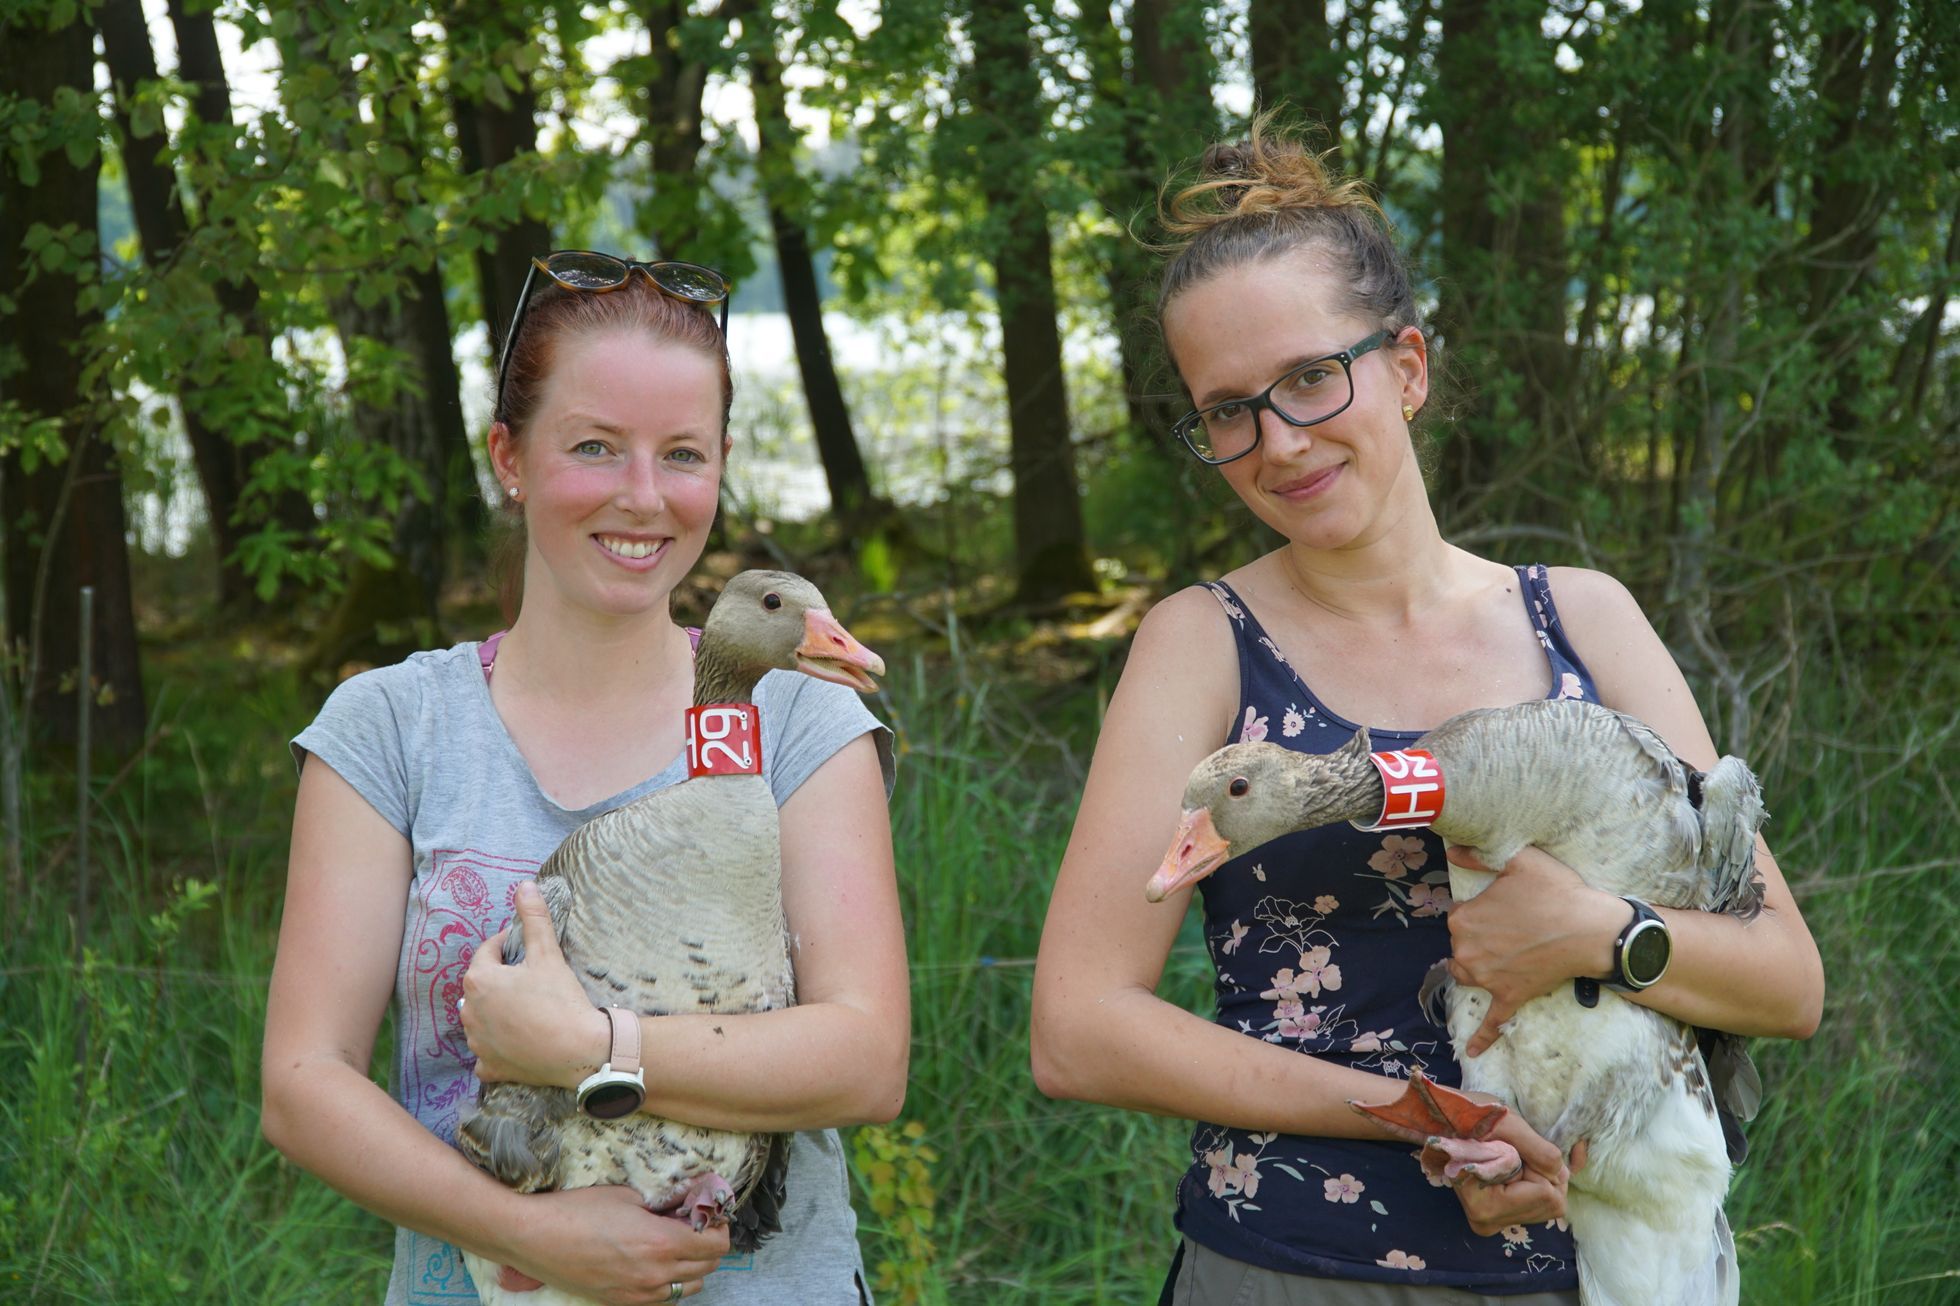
x=1321 y=940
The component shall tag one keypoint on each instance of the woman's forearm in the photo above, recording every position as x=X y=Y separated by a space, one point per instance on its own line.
x=1757 y=978
x=333 y=1121
x=809 y=1067
x=1132 y=1049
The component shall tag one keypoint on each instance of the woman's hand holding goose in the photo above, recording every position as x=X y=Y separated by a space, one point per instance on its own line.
x=1535 y=1196
x=530 y=1022
x=1534 y=928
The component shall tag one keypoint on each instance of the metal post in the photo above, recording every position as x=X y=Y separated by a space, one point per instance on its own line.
x=12 y=743
x=84 y=695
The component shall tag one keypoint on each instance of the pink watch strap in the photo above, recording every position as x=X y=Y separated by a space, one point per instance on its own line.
x=625 y=1057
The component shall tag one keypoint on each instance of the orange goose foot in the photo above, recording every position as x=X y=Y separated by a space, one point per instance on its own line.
x=1454 y=1132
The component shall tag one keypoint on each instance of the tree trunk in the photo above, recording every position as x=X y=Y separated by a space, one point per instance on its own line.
x=1502 y=310
x=250 y=362
x=63 y=518
x=1850 y=196
x=1051 y=553
x=674 y=130
x=436 y=439
x=1294 y=61
x=465 y=516
x=1157 y=97
x=385 y=613
x=200 y=63
x=161 y=226
x=851 y=498
x=491 y=135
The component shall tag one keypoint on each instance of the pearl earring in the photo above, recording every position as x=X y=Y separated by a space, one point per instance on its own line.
x=1408 y=415
x=513 y=491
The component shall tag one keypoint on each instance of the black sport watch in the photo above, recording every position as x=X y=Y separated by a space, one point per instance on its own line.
x=1641 y=953
x=1640 y=956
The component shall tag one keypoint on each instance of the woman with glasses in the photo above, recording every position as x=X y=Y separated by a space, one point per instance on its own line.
x=1288 y=314
x=431 y=791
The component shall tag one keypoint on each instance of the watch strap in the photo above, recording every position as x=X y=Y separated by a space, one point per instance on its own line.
x=625 y=1054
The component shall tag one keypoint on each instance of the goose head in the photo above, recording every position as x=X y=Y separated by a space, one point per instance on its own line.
x=776 y=620
x=1245 y=795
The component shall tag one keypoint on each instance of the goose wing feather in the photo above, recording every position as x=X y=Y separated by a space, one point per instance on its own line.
x=1731 y=814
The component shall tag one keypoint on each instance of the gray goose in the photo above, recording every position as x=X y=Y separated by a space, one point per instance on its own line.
x=672 y=904
x=1601 y=792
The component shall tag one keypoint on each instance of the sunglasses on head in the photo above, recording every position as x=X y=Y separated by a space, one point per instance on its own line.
x=596 y=273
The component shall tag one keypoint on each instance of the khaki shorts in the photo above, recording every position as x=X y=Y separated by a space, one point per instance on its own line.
x=1208 y=1279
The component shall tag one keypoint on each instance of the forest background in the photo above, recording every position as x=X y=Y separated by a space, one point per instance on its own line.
x=1691 y=268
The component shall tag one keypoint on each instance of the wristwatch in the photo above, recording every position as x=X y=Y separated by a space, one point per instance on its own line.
x=1640 y=956
x=617 y=1088
x=1641 y=953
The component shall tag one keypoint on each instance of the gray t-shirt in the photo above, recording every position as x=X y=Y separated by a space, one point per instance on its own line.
x=423 y=744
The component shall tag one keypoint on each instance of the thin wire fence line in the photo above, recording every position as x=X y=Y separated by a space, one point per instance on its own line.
x=221 y=977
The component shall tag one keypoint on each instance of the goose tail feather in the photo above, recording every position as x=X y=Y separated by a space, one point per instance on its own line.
x=761 y=1214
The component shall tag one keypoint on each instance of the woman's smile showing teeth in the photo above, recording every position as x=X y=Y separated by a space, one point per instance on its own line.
x=634 y=550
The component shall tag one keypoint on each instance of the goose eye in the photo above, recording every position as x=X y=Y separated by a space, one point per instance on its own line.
x=772 y=601
x=1239 y=787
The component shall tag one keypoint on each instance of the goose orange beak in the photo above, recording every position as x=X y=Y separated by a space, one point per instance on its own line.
x=1195 y=852
x=829 y=652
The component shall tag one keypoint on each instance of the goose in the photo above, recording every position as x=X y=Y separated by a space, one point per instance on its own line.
x=673 y=903
x=1601 y=792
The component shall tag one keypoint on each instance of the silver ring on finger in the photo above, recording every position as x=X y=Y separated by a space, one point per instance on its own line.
x=676 y=1291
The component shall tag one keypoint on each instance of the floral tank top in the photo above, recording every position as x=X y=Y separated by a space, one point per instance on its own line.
x=1321 y=940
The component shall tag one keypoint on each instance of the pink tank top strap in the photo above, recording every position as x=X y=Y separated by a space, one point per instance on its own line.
x=486 y=652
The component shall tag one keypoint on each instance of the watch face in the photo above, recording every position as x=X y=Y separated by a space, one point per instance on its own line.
x=611 y=1101
x=1646 y=954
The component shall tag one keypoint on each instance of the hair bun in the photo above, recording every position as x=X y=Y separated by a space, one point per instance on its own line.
x=1228 y=163
x=1272 y=171
x=1272 y=194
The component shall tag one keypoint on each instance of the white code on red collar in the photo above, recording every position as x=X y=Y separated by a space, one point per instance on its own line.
x=1412 y=784
x=724 y=739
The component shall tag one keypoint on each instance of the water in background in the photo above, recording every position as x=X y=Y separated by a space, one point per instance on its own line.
x=926 y=397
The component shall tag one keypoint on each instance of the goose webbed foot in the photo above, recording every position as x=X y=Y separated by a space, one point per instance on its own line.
x=705 y=1204
x=1452 y=1160
x=1454 y=1131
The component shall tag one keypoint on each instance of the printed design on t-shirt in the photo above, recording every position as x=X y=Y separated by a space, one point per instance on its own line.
x=463 y=897
x=436 y=1272
x=1411 y=891
x=1237 y=1164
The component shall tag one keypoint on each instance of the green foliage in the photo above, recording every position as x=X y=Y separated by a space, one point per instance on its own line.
x=894 y=1171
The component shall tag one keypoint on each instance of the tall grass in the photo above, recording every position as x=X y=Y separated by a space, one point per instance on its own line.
x=140 y=1174
x=1852 y=1190
x=1041 y=1201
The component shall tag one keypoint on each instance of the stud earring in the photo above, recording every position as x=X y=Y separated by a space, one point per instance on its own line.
x=513 y=491
x=1408 y=415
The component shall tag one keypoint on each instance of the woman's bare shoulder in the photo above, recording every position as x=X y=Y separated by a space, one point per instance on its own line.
x=1586 y=598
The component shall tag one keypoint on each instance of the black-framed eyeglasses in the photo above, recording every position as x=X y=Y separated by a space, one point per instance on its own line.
x=589 y=270
x=1311 y=393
